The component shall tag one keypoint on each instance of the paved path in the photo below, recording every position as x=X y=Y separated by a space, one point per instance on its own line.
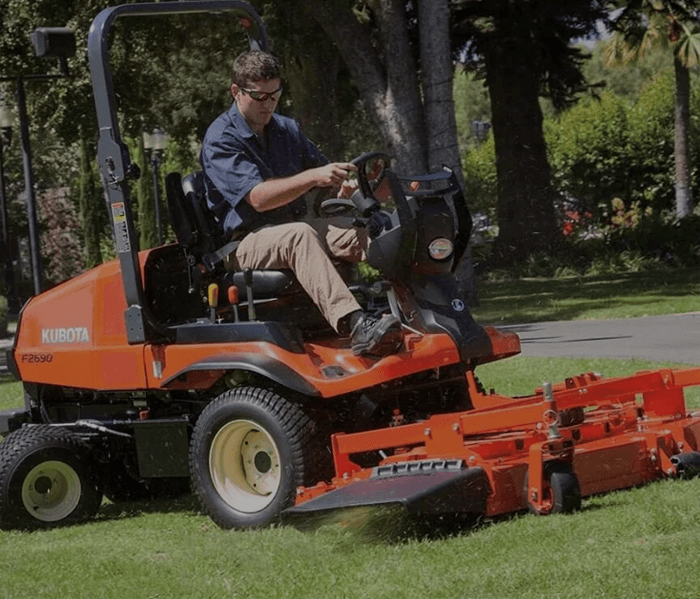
x=674 y=338
x=5 y=344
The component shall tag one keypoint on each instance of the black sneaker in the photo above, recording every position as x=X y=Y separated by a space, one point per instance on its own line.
x=376 y=336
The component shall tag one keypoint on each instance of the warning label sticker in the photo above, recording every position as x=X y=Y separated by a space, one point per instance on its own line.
x=121 y=233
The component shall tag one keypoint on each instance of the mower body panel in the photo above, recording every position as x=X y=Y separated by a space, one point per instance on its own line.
x=74 y=335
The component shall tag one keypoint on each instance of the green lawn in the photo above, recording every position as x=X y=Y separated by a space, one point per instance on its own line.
x=605 y=296
x=628 y=544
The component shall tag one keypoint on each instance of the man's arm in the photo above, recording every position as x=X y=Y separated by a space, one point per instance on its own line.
x=274 y=193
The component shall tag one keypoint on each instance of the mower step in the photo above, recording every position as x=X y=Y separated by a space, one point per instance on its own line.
x=443 y=486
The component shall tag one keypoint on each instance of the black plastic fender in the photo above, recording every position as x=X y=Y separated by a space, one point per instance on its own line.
x=259 y=364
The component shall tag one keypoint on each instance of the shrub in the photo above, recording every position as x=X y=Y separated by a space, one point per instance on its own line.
x=61 y=238
x=480 y=180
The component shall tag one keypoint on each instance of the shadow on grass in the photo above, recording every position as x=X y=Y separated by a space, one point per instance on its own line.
x=134 y=509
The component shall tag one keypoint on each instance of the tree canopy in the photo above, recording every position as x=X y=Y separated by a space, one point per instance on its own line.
x=358 y=73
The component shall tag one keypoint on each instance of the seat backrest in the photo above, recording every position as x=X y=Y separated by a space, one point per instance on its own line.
x=182 y=216
x=195 y=196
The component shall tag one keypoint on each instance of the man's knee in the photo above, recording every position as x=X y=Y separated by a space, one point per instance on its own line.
x=302 y=233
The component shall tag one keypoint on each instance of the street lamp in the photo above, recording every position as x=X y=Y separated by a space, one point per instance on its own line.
x=6 y=118
x=155 y=143
x=48 y=42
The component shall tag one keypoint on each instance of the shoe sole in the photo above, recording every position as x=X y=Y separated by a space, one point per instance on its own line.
x=389 y=341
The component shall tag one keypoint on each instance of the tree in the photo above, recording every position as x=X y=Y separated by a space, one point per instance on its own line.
x=523 y=50
x=644 y=25
x=144 y=199
x=89 y=206
x=375 y=46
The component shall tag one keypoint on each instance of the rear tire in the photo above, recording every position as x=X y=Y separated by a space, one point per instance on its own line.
x=46 y=479
x=250 y=450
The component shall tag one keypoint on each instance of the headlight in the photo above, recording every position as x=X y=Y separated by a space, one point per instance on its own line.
x=440 y=248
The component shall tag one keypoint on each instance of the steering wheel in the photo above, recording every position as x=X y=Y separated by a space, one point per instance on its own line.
x=370 y=173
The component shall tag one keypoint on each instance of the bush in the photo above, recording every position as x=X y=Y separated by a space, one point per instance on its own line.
x=480 y=180
x=661 y=239
x=589 y=153
x=61 y=239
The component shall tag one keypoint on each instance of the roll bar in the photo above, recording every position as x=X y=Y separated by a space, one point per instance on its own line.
x=113 y=157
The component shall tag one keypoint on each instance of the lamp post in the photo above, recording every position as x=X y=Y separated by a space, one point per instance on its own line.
x=155 y=143
x=6 y=119
x=48 y=42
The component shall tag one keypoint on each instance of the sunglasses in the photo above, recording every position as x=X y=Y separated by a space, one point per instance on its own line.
x=263 y=96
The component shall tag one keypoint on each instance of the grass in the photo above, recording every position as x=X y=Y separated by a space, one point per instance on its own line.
x=589 y=297
x=10 y=392
x=628 y=544
x=623 y=545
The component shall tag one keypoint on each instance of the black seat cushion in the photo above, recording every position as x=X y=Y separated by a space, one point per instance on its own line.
x=266 y=283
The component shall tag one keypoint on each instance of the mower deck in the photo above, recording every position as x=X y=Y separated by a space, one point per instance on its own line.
x=610 y=433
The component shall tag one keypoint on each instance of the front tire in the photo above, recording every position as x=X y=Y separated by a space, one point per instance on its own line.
x=46 y=479
x=562 y=493
x=250 y=450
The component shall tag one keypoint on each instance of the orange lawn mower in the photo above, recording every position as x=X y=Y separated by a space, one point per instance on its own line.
x=163 y=370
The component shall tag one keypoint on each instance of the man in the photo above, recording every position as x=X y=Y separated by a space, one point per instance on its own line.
x=257 y=166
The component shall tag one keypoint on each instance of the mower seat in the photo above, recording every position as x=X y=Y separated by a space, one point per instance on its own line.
x=198 y=232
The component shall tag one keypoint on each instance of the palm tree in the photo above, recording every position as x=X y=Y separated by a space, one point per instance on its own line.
x=643 y=26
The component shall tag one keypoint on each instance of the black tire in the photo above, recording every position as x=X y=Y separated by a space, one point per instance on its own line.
x=250 y=450
x=562 y=493
x=46 y=479
x=687 y=464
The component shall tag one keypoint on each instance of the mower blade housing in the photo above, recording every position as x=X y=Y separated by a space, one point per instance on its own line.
x=425 y=487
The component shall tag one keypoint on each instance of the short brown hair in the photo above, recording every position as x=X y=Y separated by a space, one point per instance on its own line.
x=255 y=65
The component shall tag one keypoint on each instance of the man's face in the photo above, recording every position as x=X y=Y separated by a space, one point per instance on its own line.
x=258 y=112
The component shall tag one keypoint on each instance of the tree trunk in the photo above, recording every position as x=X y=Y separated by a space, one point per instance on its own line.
x=436 y=74
x=312 y=63
x=388 y=89
x=145 y=199
x=89 y=206
x=684 y=191
x=526 y=216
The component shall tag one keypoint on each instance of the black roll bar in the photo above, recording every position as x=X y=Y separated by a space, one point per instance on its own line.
x=113 y=157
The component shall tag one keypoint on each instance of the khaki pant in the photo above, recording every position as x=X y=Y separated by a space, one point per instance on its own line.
x=304 y=248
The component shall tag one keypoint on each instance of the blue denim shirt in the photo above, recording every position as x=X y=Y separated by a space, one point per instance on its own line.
x=234 y=161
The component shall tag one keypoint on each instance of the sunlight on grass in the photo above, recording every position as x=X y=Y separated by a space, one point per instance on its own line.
x=624 y=544
x=599 y=297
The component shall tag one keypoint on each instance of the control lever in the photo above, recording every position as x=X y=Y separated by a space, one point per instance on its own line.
x=248 y=278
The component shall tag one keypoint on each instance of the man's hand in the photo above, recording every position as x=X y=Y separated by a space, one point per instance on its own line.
x=347 y=189
x=333 y=174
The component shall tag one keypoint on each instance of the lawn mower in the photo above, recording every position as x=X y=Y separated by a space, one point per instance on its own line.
x=164 y=369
